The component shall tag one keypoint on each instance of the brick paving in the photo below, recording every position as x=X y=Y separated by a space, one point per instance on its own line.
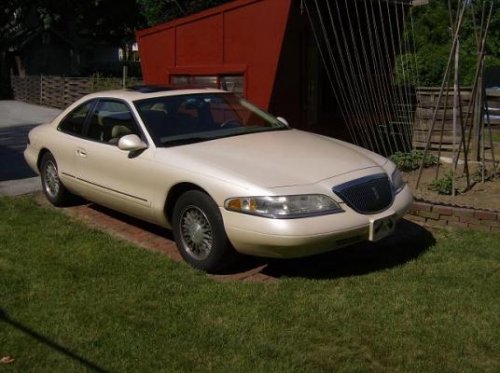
x=148 y=236
x=410 y=241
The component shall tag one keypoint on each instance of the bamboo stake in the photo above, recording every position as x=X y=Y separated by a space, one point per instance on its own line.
x=480 y=63
x=434 y=116
x=456 y=99
x=490 y=134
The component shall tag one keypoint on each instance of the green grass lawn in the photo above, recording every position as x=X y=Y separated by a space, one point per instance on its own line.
x=76 y=299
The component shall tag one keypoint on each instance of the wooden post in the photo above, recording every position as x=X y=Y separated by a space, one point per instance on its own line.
x=456 y=113
x=124 y=78
x=477 y=123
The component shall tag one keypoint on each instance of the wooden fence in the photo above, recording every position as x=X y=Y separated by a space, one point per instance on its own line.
x=60 y=91
x=443 y=129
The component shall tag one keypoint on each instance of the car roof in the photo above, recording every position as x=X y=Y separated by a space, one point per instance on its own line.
x=145 y=92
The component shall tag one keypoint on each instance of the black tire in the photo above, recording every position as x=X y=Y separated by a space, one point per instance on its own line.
x=199 y=233
x=52 y=186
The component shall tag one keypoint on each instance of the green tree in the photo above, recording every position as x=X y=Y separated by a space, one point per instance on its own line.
x=80 y=21
x=158 y=11
x=97 y=20
x=12 y=19
x=431 y=38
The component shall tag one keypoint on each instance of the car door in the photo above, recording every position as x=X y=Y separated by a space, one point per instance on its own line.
x=71 y=130
x=113 y=177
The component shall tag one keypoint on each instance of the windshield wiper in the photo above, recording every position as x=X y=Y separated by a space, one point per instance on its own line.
x=185 y=141
x=257 y=129
x=175 y=141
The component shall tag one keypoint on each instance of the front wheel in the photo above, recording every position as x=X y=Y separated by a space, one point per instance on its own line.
x=199 y=233
x=52 y=186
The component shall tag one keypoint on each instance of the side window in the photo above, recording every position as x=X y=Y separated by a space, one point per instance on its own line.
x=110 y=121
x=74 y=121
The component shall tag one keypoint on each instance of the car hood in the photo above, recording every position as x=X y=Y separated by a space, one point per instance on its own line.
x=276 y=159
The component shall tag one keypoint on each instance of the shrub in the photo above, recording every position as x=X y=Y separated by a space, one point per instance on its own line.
x=412 y=160
x=443 y=185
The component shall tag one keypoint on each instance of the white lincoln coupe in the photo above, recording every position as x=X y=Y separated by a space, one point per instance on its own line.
x=224 y=175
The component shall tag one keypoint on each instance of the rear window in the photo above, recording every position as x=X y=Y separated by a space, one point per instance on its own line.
x=74 y=121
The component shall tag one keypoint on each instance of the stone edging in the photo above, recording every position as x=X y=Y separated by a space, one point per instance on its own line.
x=436 y=215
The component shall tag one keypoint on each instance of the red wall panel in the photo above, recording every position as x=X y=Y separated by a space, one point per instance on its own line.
x=200 y=42
x=245 y=33
x=254 y=35
x=161 y=46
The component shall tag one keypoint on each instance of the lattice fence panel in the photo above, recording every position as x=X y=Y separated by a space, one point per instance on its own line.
x=18 y=88
x=74 y=88
x=58 y=91
x=33 y=89
x=52 y=91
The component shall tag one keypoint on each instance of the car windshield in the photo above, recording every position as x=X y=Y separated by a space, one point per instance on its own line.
x=189 y=118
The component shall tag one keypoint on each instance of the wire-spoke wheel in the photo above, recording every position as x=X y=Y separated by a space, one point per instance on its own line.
x=199 y=232
x=51 y=179
x=197 y=236
x=53 y=188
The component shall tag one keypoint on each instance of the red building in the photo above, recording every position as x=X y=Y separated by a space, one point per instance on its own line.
x=265 y=50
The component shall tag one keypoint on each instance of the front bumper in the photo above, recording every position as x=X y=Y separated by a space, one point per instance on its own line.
x=291 y=238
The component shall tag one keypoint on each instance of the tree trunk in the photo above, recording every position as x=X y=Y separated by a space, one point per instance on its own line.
x=20 y=67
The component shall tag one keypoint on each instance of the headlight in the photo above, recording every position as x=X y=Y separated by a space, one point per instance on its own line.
x=284 y=207
x=397 y=181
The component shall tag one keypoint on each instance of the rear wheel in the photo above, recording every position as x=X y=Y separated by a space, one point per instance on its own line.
x=199 y=233
x=53 y=188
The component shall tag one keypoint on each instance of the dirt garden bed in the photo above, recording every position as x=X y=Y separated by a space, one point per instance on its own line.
x=480 y=196
x=476 y=207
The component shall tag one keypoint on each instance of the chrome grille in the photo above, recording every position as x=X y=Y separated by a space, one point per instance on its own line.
x=367 y=195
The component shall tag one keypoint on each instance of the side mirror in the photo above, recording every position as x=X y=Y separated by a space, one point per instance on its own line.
x=131 y=143
x=283 y=120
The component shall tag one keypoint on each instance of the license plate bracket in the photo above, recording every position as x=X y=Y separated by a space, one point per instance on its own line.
x=382 y=227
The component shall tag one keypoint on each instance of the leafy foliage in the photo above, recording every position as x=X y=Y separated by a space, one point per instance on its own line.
x=431 y=38
x=484 y=173
x=412 y=160
x=11 y=17
x=98 y=19
x=82 y=22
x=157 y=11
x=443 y=185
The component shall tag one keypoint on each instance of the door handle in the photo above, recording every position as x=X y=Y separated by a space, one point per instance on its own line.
x=81 y=152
